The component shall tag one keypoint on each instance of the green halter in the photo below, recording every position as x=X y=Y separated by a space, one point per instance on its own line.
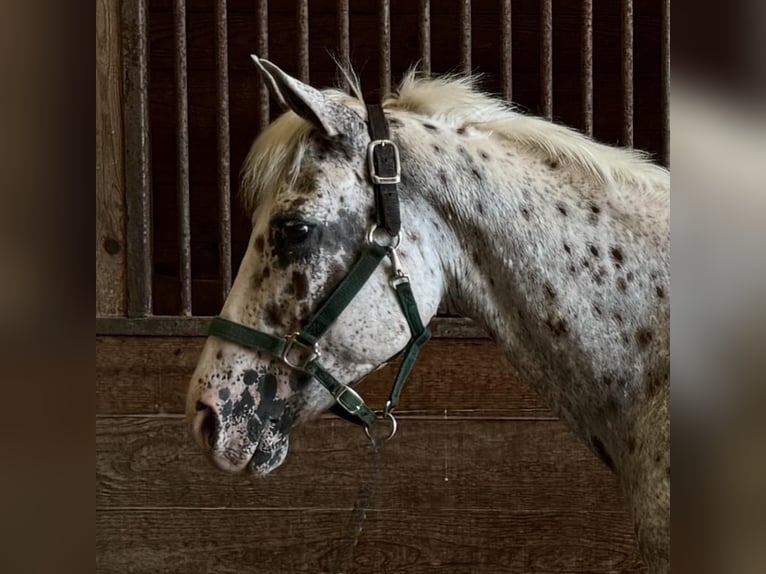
x=301 y=350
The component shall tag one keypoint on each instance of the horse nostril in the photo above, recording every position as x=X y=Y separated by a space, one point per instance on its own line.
x=205 y=426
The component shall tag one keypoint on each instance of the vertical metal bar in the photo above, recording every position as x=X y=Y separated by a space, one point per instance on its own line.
x=506 y=47
x=546 y=58
x=665 y=96
x=465 y=36
x=262 y=46
x=586 y=64
x=344 y=39
x=182 y=148
x=627 y=73
x=303 y=40
x=384 y=24
x=137 y=156
x=424 y=35
x=222 y=125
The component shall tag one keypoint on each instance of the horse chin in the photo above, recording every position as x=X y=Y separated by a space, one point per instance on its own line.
x=269 y=456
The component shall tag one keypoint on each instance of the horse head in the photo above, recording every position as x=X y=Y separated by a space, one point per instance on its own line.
x=307 y=185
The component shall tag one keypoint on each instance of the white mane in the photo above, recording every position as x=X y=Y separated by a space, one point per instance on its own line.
x=274 y=160
x=456 y=101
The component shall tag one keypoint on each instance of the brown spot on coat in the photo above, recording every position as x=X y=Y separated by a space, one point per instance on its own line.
x=622 y=285
x=273 y=314
x=660 y=292
x=617 y=255
x=300 y=284
x=644 y=337
x=558 y=327
x=562 y=209
x=593 y=250
x=550 y=292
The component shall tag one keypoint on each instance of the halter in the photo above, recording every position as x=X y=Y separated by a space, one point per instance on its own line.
x=301 y=350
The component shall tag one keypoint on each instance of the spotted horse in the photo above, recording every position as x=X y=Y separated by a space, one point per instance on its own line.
x=557 y=245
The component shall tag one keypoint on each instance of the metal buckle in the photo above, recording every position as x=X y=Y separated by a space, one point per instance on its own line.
x=393 y=240
x=346 y=389
x=383 y=179
x=312 y=351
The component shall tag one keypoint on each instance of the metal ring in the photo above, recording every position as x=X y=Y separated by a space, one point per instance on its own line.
x=394 y=427
x=393 y=242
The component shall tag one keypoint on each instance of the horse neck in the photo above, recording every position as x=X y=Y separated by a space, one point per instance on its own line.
x=568 y=276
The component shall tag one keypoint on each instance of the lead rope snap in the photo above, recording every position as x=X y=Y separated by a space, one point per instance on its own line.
x=377 y=439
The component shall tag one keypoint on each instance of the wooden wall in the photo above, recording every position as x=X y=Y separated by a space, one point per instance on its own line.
x=481 y=478
x=110 y=189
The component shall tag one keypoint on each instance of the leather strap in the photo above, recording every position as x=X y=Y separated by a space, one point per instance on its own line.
x=247 y=337
x=353 y=406
x=385 y=163
x=331 y=309
x=420 y=335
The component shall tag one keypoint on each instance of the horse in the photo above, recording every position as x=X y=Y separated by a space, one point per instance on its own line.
x=558 y=246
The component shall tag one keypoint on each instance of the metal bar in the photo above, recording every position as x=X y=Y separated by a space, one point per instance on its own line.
x=627 y=73
x=384 y=25
x=262 y=46
x=586 y=64
x=665 y=97
x=424 y=35
x=344 y=39
x=182 y=147
x=465 y=36
x=303 y=40
x=546 y=58
x=222 y=125
x=157 y=326
x=137 y=156
x=506 y=47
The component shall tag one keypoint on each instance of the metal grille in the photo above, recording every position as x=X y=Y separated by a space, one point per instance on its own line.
x=492 y=37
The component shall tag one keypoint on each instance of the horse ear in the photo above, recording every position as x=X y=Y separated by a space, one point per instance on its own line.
x=270 y=83
x=307 y=102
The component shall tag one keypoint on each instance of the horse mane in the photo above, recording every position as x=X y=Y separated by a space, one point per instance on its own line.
x=454 y=101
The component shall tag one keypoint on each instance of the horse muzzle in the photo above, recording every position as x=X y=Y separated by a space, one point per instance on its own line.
x=233 y=446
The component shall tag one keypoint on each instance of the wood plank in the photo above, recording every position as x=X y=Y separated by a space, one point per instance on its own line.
x=467 y=377
x=404 y=541
x=509 y=466
x=110 y=207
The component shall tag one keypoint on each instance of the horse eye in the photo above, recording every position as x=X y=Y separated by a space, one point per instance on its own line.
x=295 y=231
